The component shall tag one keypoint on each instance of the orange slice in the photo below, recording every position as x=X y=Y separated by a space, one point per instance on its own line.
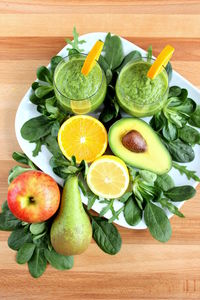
x=160 y=62
x=92 y=57
x=84 y=137
x=108 y=177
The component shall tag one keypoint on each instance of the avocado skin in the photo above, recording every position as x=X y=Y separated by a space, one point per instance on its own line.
x=71 y=231
x=156 y=159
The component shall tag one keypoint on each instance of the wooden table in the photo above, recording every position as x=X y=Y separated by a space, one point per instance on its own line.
x=31 y=32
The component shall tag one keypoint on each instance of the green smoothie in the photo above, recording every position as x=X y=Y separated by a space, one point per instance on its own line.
x=75 y=92
x=139 y=95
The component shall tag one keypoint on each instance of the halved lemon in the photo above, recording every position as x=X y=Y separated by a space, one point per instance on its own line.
x=84 y=137
x=108 y=177
x=160 y=62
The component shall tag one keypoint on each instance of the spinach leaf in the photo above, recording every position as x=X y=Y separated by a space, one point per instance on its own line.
x=42 y=91
x=54 y=62
x=36 y=128
x=157 y=222
x=25 y=253
x=113 y=51
x=195 y=118
x=180 y=151
x=105 y=66
x=169 y=131
x=169 y=70
x=174 y=91
x=180 y=193
x=106 y=236
x=148 y=176
x=132 y=56
x=171 y=207
x=35 y=100
x=37 y=264
x=189 y=135
x=8 y=221
x=132 y=213
x=37 y=149
x=37 y=228
x=18 y=237
x=183 y=170
x=149 y=53
x=165 y=182
x=58 y=261
x=44 y=74
x=91 y=200
x=52 y=145
x=106 y=208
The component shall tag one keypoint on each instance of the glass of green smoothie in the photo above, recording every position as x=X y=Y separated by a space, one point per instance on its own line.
x=137 y=94
x=75 y=92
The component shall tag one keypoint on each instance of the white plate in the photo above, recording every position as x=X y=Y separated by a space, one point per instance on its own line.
x=27 y=110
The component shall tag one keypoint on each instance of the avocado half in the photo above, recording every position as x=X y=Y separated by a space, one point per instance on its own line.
x=155 y=157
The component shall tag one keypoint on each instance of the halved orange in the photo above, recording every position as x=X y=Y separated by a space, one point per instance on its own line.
x=83 y=137
x=92 y=57
x=108 y=177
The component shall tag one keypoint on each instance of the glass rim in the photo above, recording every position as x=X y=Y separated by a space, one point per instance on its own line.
x=79 y=99
x=167 y=88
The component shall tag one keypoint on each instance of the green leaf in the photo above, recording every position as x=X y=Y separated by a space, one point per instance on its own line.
x=180 y=193
x=37 y=149
x=106 y=208
x=36 y=128
x=113 y=51
x=195 y=118
x=171 y=207
x=18 y=237
x=157 y=222
x=58 y=261
x=8 y=222
x=37 y=264
x=132 y=213
x=180 y=151
x=169 y=71
x=20 y=157
x=25 y=253
x=43 y=90
x=44 y=74
x=15 y=172
x=169 y=131
x=35 y=100
x=183 y=170
x=165 y=182
x=75 y=43
x=132 y=56
x=4 y=206
x=106 y=236
x=105 y=66
x=91 y=199
x=116 y=214
x=149 y=53
x=54 y=62
x=55 y=128
x=174 y=91
x=125 y=197
x=35 y=85
x=37 y=228
x=189 y=135
x=52 y=145
x=148 y=176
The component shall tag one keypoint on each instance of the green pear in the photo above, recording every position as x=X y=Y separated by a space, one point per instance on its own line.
x=71 y=231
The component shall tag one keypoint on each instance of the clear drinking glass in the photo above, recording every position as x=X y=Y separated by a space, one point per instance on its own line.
x=139 y=95
x=75 y=92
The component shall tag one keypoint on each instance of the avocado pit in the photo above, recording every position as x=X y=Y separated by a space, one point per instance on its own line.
x=134 y=142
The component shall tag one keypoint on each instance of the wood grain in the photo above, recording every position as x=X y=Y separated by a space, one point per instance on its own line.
x=31 y=32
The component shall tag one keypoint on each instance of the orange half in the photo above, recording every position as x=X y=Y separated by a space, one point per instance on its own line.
x=92 y=57
x=84 y=137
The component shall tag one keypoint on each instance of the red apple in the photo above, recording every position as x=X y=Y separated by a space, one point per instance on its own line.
x=33 y=197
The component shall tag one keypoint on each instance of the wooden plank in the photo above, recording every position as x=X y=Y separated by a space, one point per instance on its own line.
x=138 y=25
